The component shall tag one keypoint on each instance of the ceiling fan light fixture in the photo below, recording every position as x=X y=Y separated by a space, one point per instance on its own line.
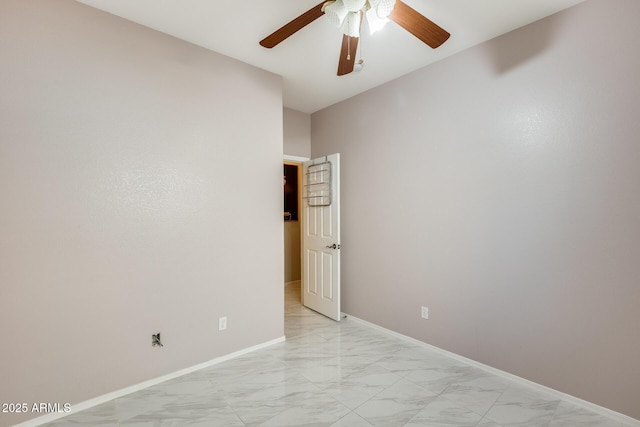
x=347 y=14
x=383 y=8
x=351 y=24
x=374 y=21
x=335 y=12
x=354 y=5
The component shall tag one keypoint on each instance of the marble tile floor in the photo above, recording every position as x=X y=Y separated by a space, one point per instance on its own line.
x=341 y=375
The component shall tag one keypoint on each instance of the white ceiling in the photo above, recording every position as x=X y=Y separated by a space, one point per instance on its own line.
x=308 y=60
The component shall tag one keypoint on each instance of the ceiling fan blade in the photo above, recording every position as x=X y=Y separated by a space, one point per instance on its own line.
x=292 y=27
x=347 y=55
x=418 y=25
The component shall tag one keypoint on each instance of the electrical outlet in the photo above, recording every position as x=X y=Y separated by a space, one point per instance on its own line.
x=222 y=323
x=425 y=312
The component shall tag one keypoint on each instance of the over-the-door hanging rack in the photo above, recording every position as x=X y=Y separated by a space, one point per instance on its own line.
x=318 y=184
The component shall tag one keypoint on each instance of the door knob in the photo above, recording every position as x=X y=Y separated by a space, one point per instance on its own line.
x=332 y=246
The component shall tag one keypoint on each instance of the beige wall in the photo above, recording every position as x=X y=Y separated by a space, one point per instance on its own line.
x=123 y=212
x=297 y=133
x=501 y=188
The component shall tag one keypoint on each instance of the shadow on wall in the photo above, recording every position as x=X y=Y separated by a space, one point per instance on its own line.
x=512 y=50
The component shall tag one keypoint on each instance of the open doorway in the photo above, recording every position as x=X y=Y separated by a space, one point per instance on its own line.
x=292 y=179
x=313 y=227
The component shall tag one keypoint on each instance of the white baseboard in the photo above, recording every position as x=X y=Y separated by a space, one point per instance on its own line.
x=624 y=419
x=82 y=406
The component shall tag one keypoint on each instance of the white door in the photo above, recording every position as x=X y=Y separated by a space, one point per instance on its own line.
x=321 y=235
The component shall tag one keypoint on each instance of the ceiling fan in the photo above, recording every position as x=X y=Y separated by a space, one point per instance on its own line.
x=348 y=16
